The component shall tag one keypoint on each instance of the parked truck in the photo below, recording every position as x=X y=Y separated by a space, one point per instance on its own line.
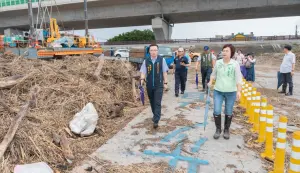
x=138 y=56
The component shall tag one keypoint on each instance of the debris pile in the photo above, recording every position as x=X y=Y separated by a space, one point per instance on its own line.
x=65 y=87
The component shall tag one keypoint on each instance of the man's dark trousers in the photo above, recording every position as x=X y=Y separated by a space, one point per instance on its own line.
x=287 y=79
x=180 y=79
x=155 y=97
x=205 y=73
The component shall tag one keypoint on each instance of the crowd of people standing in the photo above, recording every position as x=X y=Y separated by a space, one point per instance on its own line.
x=227 y=73
x=247 y=64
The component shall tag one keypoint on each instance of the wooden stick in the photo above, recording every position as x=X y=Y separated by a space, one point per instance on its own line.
x=17 y=120
x=99 y=68
x=9 y=82
x=65 y=145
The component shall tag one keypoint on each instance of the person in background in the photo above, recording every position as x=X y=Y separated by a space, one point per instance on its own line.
x=187 y=54
x=180 y=70
x=250 y=63
x=243 y=68
x=206 y=62
x=228 y=87
x=191 y=50
x=287 y=69
x=154 y=72
x=190 y=61
x=45 y=35
x=239 y=57
x=214 y=57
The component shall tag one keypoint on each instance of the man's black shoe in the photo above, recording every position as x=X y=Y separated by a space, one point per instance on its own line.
x=176 y=95
x=155 y=125
x=182 y=92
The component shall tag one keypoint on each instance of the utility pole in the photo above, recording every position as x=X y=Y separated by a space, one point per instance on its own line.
x=296 y=34
x=30 y=17
x=86 y=19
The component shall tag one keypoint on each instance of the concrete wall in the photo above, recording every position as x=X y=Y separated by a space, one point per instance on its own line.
x=118 y=13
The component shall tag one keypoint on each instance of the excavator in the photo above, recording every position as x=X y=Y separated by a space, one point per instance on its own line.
x=76 y=42
x=50 y=43
x=56 y=44
x=54 y=30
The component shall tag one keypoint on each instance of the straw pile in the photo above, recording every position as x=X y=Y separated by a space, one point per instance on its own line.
x=66 y=86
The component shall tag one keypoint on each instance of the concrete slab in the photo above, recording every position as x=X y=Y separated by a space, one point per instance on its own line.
x=197 y=151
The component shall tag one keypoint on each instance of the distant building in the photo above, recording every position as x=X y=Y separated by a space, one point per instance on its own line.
x=238 y=37
x=243 y=37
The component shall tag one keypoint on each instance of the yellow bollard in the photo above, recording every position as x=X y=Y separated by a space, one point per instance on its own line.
x=242 y=95
x=295 y=157
x=263 y=107
x=269 y=135
x=256 y=112
x=261 y=119
x=264 y=102
x=245 y=95
x=254 y=91
x=255 y=108
x=251 y=110
x=248 y=99
x=280 y=146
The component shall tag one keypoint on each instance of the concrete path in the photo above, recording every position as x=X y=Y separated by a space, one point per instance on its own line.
x=180 y=141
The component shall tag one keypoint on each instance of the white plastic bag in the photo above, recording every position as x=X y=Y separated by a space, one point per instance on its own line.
x=40 y=167
x=85 y=121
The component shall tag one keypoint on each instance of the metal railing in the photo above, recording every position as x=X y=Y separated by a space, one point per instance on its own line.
x=203 y=40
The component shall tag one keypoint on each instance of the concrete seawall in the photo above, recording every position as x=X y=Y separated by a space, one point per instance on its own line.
x=249 y=46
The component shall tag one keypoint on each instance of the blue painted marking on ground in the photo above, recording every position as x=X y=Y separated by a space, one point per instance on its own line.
x=178 y=157
x=184 y=104
x=181 y=137
x=193 y=95
x=193 y=167
x=178 y=131
x=176 y=152
x=197 y=145
x=174 y=133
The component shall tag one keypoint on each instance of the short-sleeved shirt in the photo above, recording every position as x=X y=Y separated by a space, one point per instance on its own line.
x=177 y=62
x=287 y=63
x=144 y=69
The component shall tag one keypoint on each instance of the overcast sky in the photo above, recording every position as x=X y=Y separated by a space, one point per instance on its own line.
x=260 y=27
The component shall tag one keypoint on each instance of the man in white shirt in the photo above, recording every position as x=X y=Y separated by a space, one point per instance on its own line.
x=287 y=69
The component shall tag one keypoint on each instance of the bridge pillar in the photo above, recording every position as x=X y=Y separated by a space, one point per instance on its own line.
x=162 y=30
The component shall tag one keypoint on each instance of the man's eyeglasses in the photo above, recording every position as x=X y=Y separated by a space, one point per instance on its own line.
x=180 y=51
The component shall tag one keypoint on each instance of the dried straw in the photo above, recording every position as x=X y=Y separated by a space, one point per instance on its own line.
x=66 y=86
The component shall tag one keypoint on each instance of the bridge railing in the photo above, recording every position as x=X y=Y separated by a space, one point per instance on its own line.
x=5 y=3
x=203 y=40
